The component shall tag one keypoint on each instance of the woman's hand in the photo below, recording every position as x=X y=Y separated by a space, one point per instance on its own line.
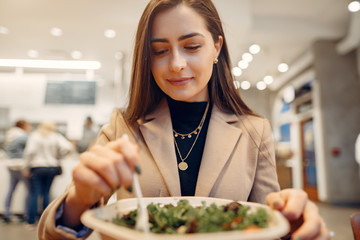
x=301 y=212
x=101 y=171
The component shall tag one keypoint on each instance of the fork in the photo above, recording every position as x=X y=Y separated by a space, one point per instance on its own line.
x=142 y=220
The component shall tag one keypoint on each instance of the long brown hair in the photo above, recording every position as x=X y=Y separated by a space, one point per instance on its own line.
x=144 y=92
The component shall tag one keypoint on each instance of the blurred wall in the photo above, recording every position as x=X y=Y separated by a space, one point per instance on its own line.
x=24 y=95
x=258 y=101
x=339 y=99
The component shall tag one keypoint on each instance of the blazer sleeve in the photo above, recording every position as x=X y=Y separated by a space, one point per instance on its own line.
x=266 y=180
x=47 y=229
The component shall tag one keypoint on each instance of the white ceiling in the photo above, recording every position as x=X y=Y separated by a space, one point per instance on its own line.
x=283 y=28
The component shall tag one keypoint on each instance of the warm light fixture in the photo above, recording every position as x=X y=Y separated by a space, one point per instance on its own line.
x=243 y=64
x=33 y=53
x=289 y=94
x=76 y=54
x=54 y=64
x=4 y=30
x=261 y=85
x=56 y=32
x=110 y=33
x=247 y=57
x=245 y=85
x=283 y=67
x=354 y=6
x=236 y=71
x=254 y=49
x=268 y=79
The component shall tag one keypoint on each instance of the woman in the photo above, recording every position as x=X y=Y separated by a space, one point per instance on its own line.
x=16 y=138
x=43 y=151
x=194 y=135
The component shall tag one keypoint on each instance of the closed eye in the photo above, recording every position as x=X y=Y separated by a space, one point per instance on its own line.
x=193 y=48
x=159 y=52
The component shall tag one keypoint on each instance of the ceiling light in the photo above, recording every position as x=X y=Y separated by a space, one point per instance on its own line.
x=110 y=33
x=237 y=84
x=54 y=64
x=33 y=53
x=56 y=32
x=236 y=71
x=245 y=85
x=243 y=64
x=76 y=54
x=283 y=67
x=354 y=6
x=289 y=94
x=247 y=57
x=261 y=85
x=268 y=80
x=4 y=30
x=254 y=49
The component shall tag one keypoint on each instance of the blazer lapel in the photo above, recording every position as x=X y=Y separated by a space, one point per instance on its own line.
x=157 y=132
x=220 y=142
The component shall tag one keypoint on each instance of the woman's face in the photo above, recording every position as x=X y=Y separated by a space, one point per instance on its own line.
x=183 y=53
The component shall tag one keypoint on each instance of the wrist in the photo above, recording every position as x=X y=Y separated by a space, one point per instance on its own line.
x=73 y=209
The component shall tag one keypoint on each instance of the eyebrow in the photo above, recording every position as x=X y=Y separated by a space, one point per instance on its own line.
x=183 y=37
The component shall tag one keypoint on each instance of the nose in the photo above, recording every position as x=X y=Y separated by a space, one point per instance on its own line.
x=177 y=61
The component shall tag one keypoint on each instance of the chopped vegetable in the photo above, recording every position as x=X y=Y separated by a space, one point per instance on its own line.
x=184 y=218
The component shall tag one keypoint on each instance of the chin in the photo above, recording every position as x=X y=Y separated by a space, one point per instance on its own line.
x=179 y=98
x=185 y=96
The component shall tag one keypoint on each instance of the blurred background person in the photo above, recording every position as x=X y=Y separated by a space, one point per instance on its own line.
x=16 y=138
x=44 y=149
x=88 y=137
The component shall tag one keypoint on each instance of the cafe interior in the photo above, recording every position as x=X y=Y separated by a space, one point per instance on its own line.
x=297 y=63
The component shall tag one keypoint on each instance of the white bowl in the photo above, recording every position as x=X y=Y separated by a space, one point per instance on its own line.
x=99 y=220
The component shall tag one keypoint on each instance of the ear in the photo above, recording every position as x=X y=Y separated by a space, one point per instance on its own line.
x=218 y=45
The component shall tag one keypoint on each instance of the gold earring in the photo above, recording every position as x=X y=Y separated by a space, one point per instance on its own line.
x=216 y=61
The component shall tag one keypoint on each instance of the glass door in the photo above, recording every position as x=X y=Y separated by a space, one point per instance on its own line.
x=308 y=159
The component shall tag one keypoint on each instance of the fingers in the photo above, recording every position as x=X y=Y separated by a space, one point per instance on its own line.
x=275 y=201
x=125 y=174
x=89 y=184
x=303 y=214
x=128 y=150
x=109 y=165
x=324 y=233
x=291 y=202
x=313 y=226
x=295 y=204
x=103 y=169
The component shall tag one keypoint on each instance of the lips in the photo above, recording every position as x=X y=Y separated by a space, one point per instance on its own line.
x=179 y=81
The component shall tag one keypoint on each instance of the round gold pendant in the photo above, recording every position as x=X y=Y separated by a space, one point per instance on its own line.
x=183 y=166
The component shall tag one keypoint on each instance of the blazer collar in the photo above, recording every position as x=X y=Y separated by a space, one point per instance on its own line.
x=157 y=131
x=221 y=139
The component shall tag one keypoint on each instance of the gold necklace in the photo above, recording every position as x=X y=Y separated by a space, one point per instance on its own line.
x=183 y=165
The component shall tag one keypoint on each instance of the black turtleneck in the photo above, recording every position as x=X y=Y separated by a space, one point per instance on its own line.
x=185 y=118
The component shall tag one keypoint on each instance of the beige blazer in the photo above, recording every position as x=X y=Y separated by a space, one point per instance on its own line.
x=238 y=160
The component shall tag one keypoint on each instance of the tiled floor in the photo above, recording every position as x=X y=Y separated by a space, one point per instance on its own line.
x=336 y=217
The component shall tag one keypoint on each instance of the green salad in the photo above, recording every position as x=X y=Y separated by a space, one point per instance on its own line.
x=184 y=218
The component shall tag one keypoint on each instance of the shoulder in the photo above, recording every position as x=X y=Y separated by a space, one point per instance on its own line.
x=255 y=125
x=21 y=139
x=257 y=122
x=247 y=122
x=114 y=128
